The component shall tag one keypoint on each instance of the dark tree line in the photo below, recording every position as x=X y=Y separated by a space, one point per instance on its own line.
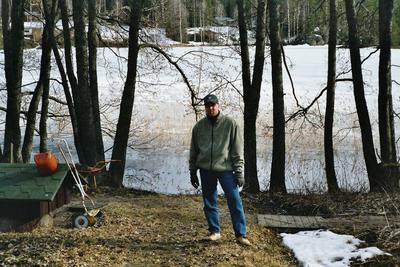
x=300 y=20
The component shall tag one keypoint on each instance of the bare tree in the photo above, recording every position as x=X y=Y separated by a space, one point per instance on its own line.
x=385 y=101
x=251 y=90
x=13 y=39
x=128 y=96
x=330 y=101
x=359 y=96
x=94 y=92
x=67 y=93
x=83 y=102
x=42 y=86
x=176 y=21
x=70 y=75
x=278 y=147
x=49 y=7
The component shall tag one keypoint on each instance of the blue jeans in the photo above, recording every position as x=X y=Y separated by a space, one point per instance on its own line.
x=210 y=197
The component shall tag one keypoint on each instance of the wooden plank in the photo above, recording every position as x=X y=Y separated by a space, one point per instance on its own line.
x=289 y=221
x=316 y=222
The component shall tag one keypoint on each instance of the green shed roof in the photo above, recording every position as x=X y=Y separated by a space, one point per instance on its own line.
x=23 y=182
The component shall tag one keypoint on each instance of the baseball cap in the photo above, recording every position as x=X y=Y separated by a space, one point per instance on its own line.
x=212 y=99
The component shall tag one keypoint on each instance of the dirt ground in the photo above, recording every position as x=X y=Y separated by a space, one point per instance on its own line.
x=142 y=229
x=145 y=229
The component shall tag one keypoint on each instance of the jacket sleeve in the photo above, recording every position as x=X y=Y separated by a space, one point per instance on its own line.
x=193 y=151
x=237 y=149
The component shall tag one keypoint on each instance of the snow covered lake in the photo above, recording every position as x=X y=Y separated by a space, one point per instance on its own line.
x=158 y=154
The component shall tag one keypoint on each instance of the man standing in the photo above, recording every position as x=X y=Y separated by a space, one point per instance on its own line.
x=217 y=151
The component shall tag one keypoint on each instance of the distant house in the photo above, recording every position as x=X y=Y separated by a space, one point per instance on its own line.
x=223 y=35
x=225 y=21
x=202 y=35
x=33 y=30
x=25 y=196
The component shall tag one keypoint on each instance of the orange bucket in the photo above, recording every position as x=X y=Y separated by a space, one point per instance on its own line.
x=46 y=163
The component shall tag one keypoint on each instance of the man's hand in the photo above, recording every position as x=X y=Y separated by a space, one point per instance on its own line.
x=194 y=179
x=239 y=178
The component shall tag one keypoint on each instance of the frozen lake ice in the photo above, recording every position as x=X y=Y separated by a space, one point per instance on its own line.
x=158 y=155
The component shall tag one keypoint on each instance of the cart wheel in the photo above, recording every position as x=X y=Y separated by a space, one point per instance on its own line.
x=81 y=221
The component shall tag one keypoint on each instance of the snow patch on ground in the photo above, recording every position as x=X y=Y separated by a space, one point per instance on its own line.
x=325 y=248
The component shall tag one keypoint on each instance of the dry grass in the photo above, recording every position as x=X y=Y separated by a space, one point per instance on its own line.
x=143 y=230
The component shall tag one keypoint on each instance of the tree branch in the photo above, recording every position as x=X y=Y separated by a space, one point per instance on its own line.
x=194 y=99
x=303 y=111
x=365 y=59
x=290 y=77
x=55 y=99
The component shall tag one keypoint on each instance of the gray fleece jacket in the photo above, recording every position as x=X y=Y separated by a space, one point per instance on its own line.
x=216 y=145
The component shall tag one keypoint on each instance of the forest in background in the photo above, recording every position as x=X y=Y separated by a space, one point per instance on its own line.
x=300 y=20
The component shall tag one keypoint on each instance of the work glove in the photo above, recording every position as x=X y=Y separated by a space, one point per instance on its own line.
x=194 y=180
x=239 y=178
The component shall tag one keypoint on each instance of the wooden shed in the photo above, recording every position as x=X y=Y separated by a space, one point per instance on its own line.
x=25 y=196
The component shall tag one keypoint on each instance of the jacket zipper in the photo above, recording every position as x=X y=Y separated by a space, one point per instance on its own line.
x=212 y=144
